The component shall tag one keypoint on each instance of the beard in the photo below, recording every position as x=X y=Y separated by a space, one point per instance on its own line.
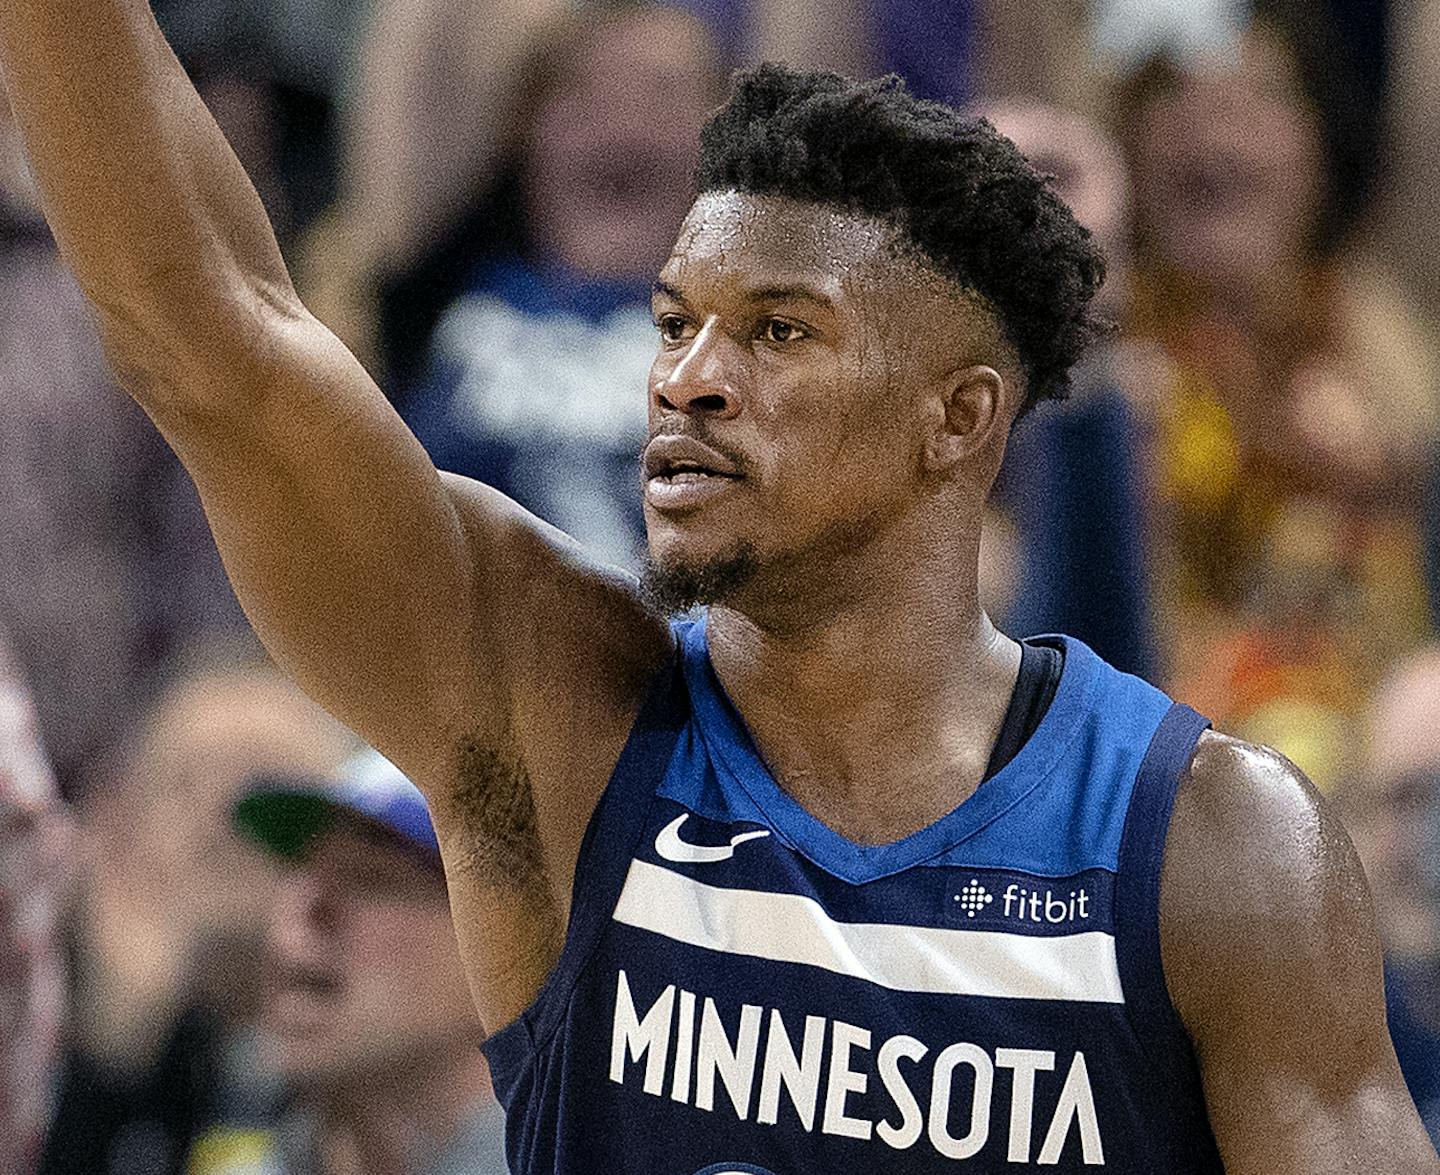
x=674 y=587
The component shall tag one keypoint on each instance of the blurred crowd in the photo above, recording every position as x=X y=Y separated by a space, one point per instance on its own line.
x=1241 y=500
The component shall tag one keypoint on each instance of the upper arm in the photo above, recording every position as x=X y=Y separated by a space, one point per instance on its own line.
x=338 y=534
x=478 y=648
x=1273 y=964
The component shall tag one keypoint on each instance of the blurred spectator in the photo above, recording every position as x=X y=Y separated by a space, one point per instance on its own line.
x=34 y=866
x=1295 y=414
x=443 y=115
x=433 y=92
x=171 y=914
x=1391 y=807
x=536 y=373
x=107 y=568
x=1070 y=483
x=270 y=71
x=367 y=1013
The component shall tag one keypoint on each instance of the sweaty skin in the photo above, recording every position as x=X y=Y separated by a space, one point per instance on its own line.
x=864 y=403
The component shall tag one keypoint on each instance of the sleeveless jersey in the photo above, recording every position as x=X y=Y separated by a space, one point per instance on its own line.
x=743 y=990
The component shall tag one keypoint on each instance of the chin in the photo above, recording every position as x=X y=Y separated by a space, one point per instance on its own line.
x=322 y=1064
x=675 y=580
x=297 y=1061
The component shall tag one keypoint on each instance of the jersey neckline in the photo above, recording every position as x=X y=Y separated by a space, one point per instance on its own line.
x=736 y=758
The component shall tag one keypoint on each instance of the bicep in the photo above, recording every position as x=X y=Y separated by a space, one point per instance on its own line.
x=339 y=536
x=1274 y=966
x=480 y=649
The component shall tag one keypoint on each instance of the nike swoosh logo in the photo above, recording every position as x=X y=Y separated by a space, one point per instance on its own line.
x=669 y=845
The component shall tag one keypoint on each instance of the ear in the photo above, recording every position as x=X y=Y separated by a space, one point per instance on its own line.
x=971 y=416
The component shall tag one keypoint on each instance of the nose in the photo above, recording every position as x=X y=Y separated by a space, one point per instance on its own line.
x=701 y=380
x=303 y=912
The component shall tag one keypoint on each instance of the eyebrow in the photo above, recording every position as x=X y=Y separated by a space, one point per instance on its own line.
x=791 y=292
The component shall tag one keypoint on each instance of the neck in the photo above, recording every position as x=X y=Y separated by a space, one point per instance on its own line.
x=391 y=1123
x=878 y=714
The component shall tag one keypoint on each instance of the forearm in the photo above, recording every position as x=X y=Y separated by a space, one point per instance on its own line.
x=148 y=203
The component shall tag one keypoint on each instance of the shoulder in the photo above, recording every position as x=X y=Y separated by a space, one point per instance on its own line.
x=1263 y=902
x=1272 y=963
x=565 y=588
x=1250 y=803
x=1253 y=847
x=1250 y=809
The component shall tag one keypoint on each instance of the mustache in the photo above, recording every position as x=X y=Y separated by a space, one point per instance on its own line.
x=701 y=433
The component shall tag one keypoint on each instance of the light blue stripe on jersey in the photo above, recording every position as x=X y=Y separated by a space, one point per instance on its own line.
x=1094 y=733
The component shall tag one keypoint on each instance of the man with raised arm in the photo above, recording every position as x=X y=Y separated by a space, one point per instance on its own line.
x=859 y=882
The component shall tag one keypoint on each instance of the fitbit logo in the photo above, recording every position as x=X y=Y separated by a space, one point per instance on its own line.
x=1034 y=905
x=974 y=898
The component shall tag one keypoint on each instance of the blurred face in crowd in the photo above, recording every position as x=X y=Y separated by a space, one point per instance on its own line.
x=364 y=975
x=1229 y=170
x=807 y=353
x=166 y=849
x=1392 y=808
x=1089 y=174
x=612 y=145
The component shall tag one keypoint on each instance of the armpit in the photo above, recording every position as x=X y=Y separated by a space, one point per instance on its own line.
x=494 y=835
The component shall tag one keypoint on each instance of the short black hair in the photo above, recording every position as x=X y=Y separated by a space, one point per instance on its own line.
x=952 y=186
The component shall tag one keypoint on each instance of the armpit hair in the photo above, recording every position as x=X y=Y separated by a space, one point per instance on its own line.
x=492 y=807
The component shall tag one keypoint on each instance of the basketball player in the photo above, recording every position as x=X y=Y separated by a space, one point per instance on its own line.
x=860 y=884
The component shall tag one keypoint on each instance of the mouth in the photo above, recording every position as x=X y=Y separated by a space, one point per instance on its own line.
x=307 y=985
x=303 y=1004
x=684 y=489
x=681 y=474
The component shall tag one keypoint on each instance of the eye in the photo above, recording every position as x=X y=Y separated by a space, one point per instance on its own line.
x=778 y=330
x=673 y=328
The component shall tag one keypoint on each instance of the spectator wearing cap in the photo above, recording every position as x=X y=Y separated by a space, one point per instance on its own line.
x=172 y=908
x=367 y=1014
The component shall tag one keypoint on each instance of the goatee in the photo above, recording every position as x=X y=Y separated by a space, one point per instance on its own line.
x=674 y=587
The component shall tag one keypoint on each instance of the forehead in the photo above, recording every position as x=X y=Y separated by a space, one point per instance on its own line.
x=741 y=236
x=659 y=47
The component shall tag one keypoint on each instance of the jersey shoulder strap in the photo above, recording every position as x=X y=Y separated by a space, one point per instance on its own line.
x=1137 y=884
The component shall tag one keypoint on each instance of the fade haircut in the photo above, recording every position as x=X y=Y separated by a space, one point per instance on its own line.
x=953 y=187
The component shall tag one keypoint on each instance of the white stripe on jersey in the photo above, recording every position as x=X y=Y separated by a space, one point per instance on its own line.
x=792 y=928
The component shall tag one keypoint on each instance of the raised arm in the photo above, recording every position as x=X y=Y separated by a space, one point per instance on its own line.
x=1274 y=967
x=472 y=644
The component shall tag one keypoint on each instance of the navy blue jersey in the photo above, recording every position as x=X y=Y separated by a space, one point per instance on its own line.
x=742 y=989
